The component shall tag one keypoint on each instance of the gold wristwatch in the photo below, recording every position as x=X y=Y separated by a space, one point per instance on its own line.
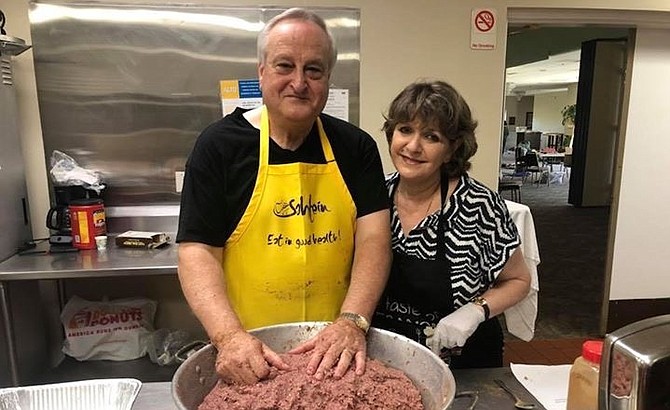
x=360 y=321
x=480 y=301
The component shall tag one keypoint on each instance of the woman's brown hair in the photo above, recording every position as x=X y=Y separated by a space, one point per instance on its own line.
x=440 y=105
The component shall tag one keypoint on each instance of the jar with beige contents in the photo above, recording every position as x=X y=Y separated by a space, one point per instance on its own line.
x=584 y=374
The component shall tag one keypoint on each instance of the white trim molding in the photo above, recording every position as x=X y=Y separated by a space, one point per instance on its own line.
x=567 y=17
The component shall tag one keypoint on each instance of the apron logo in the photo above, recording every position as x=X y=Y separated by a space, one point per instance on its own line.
x=298 y=207
x=405 y=312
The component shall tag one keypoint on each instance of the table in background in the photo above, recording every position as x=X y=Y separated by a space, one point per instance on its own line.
x=552 y=158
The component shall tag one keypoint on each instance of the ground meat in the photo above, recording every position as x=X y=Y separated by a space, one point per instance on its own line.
x=381 y=387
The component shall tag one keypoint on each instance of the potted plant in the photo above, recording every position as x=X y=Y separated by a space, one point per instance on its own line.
x=568 y=114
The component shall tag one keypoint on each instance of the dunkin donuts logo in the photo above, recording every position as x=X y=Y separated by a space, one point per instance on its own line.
x=299 y=207
x=102 y=317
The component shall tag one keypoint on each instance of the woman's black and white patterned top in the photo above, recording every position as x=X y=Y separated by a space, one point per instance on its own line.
x=479 y=233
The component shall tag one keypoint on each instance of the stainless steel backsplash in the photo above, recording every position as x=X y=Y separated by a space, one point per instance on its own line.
x=126 y=89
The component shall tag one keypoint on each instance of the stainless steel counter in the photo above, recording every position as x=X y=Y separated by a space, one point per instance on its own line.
x=158 y=396
x=114 y=261
x=39 y=264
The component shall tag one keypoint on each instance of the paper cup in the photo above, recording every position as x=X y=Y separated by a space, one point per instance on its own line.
x=101 y=242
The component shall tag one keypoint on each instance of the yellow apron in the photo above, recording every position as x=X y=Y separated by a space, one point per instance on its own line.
x=289 y=258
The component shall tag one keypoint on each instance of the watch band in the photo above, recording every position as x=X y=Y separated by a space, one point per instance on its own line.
x=480 y=301
x=359 y=320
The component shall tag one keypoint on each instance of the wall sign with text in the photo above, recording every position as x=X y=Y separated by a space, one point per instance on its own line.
x=247 y=94
x=483 y=29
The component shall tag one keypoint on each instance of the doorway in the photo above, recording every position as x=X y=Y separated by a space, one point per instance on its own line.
x=573 y=241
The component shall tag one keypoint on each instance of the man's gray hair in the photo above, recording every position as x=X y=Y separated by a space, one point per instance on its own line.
x=296 y=14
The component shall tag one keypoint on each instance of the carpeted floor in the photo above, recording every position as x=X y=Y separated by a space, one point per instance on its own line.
x=573 y=243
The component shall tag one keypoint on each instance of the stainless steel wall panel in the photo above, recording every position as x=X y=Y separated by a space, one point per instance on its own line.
x=126 y=89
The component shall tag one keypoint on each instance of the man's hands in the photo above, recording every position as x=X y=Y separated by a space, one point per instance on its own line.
x=454 y=329
x=341 y=343
x=243 y=359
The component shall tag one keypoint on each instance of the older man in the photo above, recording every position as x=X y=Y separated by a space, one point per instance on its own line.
x=284 y=217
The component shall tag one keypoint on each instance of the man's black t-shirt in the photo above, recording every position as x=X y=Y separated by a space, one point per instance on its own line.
x=221 y=173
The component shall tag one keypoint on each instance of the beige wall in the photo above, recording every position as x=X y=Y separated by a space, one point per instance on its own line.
x=518 y=107
x=547 y=111
x=400 y=42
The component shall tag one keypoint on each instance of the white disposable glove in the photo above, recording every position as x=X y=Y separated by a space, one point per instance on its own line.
x=454 y=329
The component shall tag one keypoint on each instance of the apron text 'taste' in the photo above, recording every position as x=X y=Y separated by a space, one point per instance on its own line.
x=289 y=258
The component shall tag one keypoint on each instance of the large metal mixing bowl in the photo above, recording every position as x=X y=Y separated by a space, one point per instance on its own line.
x=196 y=377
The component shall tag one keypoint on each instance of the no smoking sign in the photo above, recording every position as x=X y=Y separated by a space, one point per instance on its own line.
x=485 y=21
x=483 y=29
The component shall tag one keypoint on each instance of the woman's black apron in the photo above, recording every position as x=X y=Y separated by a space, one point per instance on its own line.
x=419 y=294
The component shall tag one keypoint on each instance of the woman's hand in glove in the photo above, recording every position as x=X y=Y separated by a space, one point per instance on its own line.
x=454 y=329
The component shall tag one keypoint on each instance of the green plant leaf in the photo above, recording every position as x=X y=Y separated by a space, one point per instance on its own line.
x=568 y=112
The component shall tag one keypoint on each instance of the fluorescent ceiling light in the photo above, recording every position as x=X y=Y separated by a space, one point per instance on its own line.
x=559 y=69
x=49 y=12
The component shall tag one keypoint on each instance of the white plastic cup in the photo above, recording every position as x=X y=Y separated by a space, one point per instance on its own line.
x=101 y=242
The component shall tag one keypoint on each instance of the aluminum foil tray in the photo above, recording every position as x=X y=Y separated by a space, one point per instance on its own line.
x=98 y=394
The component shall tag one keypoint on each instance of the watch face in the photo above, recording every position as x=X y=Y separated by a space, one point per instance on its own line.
x=479 y=301
x=360 y=321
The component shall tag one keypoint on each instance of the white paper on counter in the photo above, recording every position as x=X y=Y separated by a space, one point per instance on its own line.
x=549 y=384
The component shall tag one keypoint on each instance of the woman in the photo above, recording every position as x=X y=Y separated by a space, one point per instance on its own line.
x=457 y=261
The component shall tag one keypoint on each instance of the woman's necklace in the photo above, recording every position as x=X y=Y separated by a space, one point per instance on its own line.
x=430 y=204
x=410 y=213
x=407 y=200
